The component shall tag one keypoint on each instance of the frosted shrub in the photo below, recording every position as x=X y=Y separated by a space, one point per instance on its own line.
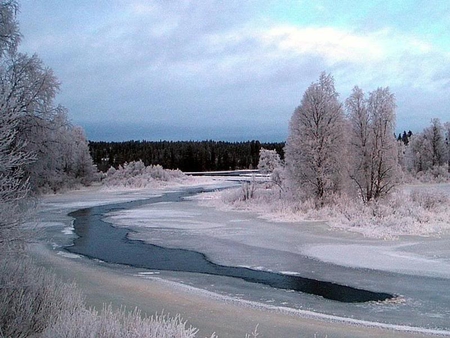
x=403 y=212
x=31 y=298
x=247 y=191
x=430 y=199
x=436 y=174
x=33 y=302
x=111 y=323
x=137 y=175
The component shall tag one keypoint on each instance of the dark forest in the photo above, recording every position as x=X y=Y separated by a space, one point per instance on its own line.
x=188 y=156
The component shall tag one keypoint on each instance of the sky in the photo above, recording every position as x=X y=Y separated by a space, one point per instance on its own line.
x=234 y=70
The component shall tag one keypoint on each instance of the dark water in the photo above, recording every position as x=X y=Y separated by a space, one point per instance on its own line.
x=98 y=239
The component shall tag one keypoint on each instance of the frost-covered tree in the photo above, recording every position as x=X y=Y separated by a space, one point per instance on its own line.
x=27 y=92
x=427 y=149
x=447 y=143
x=269 y=160
x=381 y=107
x=316 y=143
x=9 y=28
x=270 y=164
x=373 y=149
x=13 y=157
x=436 y=140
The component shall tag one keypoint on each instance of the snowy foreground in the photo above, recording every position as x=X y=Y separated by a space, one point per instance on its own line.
x=415 y=268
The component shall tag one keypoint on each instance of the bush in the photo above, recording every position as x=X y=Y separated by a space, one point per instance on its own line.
x=31 y=298
x=33 y=302
x=436 y=174
x=137 y=175
x=110 y=323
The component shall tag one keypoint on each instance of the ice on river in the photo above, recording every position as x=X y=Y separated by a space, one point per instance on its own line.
x=415 y=268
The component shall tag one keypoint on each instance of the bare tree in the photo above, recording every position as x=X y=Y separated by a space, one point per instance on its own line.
x=9 y=28
x=38 y=126
x=374 y=165
x=316 y=143
x=435 y=136
x=14 y=186
x=428 y=148
x=447 y=143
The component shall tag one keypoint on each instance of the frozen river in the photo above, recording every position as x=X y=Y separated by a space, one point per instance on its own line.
x=416 y=269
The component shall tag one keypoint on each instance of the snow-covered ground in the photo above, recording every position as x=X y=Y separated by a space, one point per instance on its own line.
x=416 y=268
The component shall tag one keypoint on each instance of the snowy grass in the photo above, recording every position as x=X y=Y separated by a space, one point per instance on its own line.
x=35 y=303
x=420 y=210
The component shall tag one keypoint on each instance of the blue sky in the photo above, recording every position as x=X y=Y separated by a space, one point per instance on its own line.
x=234 y=70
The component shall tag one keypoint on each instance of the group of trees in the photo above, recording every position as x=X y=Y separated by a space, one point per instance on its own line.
x=428 y=150
x=188 y=156
x=52 y=152
x=351 y=148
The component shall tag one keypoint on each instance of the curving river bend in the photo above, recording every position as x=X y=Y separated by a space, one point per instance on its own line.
x=425 y=306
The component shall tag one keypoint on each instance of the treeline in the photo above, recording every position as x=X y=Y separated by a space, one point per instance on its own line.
x=187 y=156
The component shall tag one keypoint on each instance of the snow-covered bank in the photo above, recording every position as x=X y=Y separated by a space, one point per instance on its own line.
x=107 y=194
x=419 y=210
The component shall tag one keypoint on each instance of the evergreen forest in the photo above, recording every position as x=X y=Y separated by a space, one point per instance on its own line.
x=187 y=156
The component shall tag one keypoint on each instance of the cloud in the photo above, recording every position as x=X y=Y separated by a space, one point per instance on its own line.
x=219 y=63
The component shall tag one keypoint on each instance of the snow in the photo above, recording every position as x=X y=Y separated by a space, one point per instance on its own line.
x=68 y=254
x=416 y=267
x=381 y=257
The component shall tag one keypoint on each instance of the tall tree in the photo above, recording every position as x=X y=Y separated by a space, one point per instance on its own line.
x=316 y=143
x=27 y=92
x=13 y=185
x=435 y=135
x=447 y=143
x=381 y=107
x=374 y=165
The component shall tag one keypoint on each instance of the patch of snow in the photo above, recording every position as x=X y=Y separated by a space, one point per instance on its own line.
x=151 y=217
x=68 y=254
x=379 y=257
x=68 y=231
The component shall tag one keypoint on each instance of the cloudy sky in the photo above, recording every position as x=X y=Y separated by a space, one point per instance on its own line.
x=234 y=70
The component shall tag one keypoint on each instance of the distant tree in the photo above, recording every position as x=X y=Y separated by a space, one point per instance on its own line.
x=435 y=135
x=447 y=143
x=406 y=137
x=316 y=143
x=428 y=148
x=269 y=160
x=418 y=158
x=373 y=147
x=183 y=155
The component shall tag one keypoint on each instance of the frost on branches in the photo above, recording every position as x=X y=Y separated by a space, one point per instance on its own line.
x=316 y=143
x=137 y=175
x=373 y=163
x=427 y=157
x=33 y=123
x=346 y=169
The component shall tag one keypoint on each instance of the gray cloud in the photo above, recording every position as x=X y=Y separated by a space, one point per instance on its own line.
x=184 y=69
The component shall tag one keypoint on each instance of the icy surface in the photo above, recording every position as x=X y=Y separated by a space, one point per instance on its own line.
x=417 y=269
x=394 y=258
